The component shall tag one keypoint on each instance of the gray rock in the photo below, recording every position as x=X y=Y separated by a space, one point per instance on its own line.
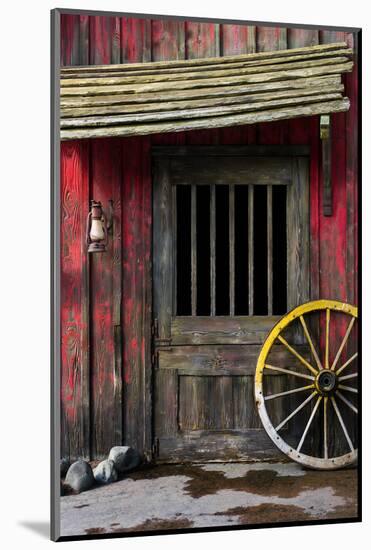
x=80 y=476
x=65 y=464
x=125 y=458
x=105 y=472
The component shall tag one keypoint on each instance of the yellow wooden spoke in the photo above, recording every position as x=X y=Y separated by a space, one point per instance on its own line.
x=297 y=355
x=345 y=339
x=310 y=342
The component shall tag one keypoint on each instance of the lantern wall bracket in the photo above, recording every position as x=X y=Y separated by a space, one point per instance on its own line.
x=325 y=134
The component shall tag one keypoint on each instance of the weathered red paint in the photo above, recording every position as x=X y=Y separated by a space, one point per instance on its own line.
x=105 y=385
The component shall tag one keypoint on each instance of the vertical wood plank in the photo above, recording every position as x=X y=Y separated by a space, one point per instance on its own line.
x=194 y=249
x=166 y=403
x=351 y=121
x=168 y=39
x=75 y=402
x=245 y=414
x=75 y=368
x=328 y=37
x=221 y=402
x=231 y=250
x=135 y=40
x=298 y=234
x=269 y=250
x=237 y=39
x=201 y=40
x=212 y=249
x=137 y=285
x=104 y=40
x=70 y=40
x=251 y=248
x=162 y=248
x=269 y=39
x=106 y=426
x=174 y=239
x=298 y=38
x=84 y=40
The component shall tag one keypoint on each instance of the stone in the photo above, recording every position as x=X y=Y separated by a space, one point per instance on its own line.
x=105 y=472
x=124 y=458
x=65 y=464
x=80 y=476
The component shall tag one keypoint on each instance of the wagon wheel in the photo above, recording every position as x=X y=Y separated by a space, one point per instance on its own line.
x=326 y=385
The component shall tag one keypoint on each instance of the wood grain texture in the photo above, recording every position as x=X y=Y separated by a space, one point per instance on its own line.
x=135 y=40
x=222 y=359
x=220 y=330
x=137 y=298
x=104 y=40
x=330 y=251
x=75 y=397
x=105 y=178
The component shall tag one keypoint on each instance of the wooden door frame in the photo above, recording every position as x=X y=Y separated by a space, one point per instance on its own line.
x=164 y=155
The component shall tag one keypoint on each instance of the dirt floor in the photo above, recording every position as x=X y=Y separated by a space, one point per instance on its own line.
x=207 y=495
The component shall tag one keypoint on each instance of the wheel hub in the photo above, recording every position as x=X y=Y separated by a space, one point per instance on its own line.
x=326 y=382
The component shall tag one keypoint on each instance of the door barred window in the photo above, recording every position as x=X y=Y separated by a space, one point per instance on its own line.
x=230 y=249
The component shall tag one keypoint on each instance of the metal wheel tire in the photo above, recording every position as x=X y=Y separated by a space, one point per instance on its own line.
x=324 y=384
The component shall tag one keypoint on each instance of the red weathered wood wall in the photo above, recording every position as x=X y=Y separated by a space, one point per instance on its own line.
x=106 y=298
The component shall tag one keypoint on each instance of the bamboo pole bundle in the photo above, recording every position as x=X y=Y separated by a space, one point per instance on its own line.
x=172 y=96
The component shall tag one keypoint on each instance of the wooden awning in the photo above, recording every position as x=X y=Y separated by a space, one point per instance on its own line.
x=173 y=96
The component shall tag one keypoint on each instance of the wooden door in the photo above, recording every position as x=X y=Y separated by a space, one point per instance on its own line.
x=230 y=257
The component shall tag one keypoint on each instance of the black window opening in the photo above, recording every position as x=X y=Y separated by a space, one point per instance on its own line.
x=231 y=250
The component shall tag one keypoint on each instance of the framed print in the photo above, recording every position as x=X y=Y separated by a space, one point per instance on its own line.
x=206 y=350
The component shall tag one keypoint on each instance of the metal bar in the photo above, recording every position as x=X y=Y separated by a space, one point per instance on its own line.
x=269 y=250
x=345 y=339
x=231 y=249
x=251 y=248
x=287 y=371
x=297 y=355
x=310 y=342
x=289 y=392
x=345 y=400
x=308 y=424
x=212 y=248
x=342 y=423
x=347 y=363
x=194 y=249
x=301 y=406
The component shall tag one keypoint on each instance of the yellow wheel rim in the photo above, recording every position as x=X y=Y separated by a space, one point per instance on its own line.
x=324 y=381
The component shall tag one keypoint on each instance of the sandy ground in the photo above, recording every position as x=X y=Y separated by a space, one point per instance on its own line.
x=208 y=495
